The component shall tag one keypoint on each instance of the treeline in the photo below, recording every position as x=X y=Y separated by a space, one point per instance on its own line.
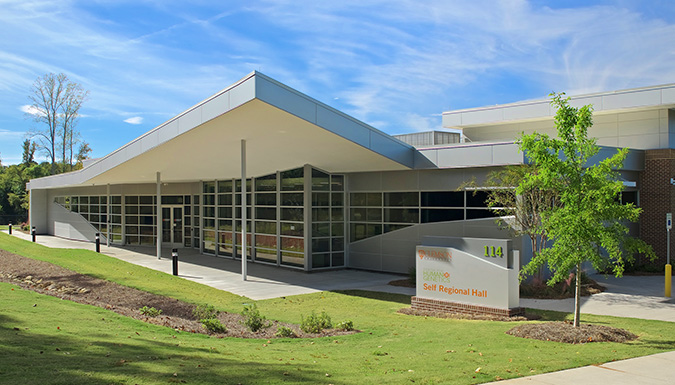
x=14 y=197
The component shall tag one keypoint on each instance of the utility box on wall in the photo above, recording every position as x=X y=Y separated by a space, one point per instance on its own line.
x=467 y=275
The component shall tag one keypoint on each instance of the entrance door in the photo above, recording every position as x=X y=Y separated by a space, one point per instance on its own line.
x=172 y=226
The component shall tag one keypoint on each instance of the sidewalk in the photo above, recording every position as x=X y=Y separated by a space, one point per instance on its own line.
x=653 y=370
x=629 y=296
x=263 y=281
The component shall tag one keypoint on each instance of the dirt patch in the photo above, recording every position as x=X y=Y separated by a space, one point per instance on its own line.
x=47 y=278
x=566 y=332
x=481 y=317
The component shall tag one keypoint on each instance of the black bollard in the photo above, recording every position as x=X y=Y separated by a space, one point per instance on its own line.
x=174 y=256
x=98 y=243
x=10 y=229
x=32 y=233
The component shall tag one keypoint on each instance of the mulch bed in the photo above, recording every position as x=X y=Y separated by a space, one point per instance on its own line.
x=566 y=332
x=548 y=331
x=47 y=278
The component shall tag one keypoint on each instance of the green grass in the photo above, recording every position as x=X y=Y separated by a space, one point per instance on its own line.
x=60 y=342
x=112 y=269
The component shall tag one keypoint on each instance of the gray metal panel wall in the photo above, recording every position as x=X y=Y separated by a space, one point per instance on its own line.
x=395 y=251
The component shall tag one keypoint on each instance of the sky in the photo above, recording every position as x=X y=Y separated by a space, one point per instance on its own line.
x=396 y=65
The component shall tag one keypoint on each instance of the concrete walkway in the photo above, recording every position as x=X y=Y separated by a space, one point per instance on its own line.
x=630 y=296
x=656 y=369
x=263 y=281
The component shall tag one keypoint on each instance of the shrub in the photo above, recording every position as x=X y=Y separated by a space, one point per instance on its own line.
x=150 y=311
x=412 y=276
x=345 y=325
x=316 y=323
x=285 y=332
x=253 y=319
x=202 y=312
x=213 y=325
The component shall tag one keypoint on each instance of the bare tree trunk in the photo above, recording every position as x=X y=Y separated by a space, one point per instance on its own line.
x=577 y=297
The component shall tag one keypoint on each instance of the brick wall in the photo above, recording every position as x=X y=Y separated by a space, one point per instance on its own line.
x=657 y=197
x=435 y=305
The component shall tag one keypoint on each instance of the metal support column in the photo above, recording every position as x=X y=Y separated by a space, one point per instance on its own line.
x=159 y=216
x=107 y=227
x=243 y=209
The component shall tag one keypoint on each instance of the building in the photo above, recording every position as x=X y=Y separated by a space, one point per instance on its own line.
x=324 y=190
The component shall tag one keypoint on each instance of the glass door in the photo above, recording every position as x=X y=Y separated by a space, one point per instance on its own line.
x=172 y=225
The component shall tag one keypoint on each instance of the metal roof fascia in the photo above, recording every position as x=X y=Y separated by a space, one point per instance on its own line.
x=253 y=86
x=603 y=102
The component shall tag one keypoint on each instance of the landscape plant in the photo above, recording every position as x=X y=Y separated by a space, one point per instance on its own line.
x=253 y=320
x=345 y=325
x=588 y=222
x=205 y=311
x=285 y=332
x=150 y=311
x=315 y=323
x=213 y=325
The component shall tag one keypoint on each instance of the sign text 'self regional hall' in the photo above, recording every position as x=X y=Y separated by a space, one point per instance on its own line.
x=458 y=272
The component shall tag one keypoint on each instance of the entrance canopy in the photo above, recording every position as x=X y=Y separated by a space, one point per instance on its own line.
x=283 y=129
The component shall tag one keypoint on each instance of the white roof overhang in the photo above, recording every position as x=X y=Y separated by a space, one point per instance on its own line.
x=283 y=129
x=637 y=99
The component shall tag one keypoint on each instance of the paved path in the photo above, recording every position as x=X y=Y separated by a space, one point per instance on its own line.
x=629 y=296
x=263 y=281
x=657 y=369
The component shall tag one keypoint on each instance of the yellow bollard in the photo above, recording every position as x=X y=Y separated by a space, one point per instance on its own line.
x=669 y=277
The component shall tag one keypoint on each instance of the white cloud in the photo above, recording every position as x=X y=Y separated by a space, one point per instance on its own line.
x=134 y=120
x=7 y=134
x=391 y=64
x=30 y=110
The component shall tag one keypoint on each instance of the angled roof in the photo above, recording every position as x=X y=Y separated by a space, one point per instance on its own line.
x=283 y=129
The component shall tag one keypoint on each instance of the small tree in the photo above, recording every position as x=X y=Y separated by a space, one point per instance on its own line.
x=587 y=224
x=82 y=154
x=519 y=213
x=29 y=149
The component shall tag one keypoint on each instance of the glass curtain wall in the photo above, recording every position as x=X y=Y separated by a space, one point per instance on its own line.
x=292 y=217
x=266 y=228
x=375 y=213
x=328 y=245
x=209 y=217
x=237 y=221
x=275 y=225
x=94 y=209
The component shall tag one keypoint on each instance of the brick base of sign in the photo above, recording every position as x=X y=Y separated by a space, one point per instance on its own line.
x=435 y=305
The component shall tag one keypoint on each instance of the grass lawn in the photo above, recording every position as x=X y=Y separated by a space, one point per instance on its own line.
x=44 y=340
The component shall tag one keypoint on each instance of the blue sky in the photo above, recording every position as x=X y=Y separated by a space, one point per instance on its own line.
x=396 y=65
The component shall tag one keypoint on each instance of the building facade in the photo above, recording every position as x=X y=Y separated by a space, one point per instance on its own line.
x=323 y=190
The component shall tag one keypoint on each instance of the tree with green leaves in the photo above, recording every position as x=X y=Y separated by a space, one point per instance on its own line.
x=29 y=149
x=588 y=222
x=520 y=214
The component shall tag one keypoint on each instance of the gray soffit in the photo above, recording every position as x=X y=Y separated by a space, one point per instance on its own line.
x=283 y=129
x=662 y=96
